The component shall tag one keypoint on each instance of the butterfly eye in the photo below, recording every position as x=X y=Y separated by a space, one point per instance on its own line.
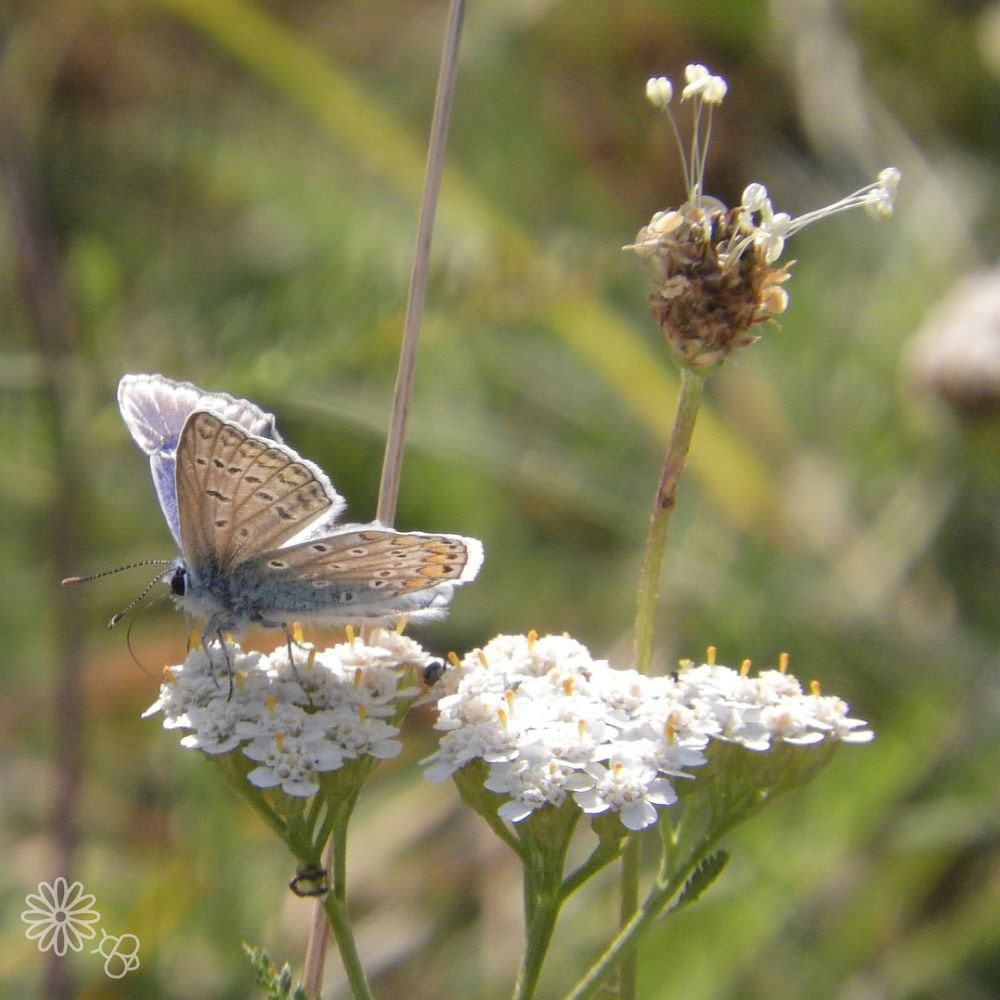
x=178 y=582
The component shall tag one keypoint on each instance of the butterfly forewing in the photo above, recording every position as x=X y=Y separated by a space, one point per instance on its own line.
x=239 y=495
x=340 y=574
x=155 y=409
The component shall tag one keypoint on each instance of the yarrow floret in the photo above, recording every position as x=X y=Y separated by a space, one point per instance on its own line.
x=551 y=723
x=294 y=719
x=714 y=265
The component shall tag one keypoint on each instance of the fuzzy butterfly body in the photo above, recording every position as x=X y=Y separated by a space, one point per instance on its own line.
x=254 y=522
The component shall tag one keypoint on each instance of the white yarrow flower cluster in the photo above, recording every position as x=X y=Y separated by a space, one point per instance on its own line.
x=296 y=721
x=771 y=707
x=550 y=722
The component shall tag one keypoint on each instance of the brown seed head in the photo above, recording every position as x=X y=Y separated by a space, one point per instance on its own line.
x=713 y=281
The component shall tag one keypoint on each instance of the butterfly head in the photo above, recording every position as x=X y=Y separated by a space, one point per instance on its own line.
x=178 y=579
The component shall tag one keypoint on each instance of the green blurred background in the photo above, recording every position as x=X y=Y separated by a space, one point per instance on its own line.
x=225 y=191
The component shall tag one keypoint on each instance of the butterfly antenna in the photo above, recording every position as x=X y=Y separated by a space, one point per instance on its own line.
x=142 y=596
x=70 y=580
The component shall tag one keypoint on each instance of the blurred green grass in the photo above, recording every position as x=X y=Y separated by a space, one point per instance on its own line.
x=231 y=188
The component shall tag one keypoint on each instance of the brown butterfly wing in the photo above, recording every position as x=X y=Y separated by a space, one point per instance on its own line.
x=369 y=572
x=239 y=495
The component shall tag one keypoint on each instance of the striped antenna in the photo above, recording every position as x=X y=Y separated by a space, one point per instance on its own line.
x=70 y=580
x=137 y=600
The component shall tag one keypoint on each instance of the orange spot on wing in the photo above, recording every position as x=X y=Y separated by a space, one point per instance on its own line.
x=433 y=570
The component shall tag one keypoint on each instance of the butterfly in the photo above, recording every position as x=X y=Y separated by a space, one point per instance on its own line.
x=255 y=522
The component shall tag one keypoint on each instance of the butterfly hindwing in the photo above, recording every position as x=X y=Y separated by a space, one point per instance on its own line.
x=361 y=572
x=239 y=495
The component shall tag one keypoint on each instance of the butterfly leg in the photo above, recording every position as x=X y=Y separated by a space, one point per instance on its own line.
x=206 y=637
x=229 y=665
x=290 y=639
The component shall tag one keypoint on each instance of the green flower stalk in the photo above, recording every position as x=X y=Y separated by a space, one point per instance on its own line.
x=717 y=283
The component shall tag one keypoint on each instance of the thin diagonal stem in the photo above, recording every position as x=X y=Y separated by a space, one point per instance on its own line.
x=392 y=463
x=331 y=910
x=316 y=945
x=647 y=593
x=601 y=857
x=667 y=886
x=652 y=561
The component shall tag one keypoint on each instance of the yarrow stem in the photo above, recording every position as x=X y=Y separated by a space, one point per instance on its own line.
x=622 y=948
x=706 y=813
x=334 y=904
x=546 y=836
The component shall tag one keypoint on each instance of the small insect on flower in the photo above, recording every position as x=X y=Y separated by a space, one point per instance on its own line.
x=310 y=880
x=715 y=267
x=433 y=671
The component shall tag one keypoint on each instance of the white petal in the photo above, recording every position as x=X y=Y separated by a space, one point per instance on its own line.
x=514 y=811
x=638 y=815
x=263 y=777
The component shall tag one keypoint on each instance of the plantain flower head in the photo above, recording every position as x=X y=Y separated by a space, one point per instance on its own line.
x=716 y=268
